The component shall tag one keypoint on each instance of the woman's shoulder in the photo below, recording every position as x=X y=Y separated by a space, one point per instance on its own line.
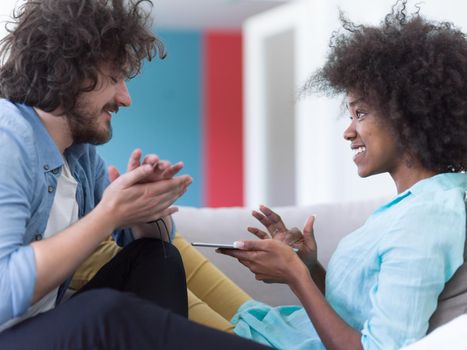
x=428 y=223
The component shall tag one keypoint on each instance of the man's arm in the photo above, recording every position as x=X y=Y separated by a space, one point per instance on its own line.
x=59 y=255
x=156 y=229
x=125 y=202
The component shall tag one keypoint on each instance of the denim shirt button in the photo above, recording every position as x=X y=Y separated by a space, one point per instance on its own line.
x=55 y=171
x=50 y=189
x=38 y=237
x=46 y=167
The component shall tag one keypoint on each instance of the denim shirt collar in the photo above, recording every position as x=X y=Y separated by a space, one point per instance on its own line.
x=49 y=156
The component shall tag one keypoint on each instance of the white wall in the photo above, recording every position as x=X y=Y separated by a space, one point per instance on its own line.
x=6 y=9
x=324 y=170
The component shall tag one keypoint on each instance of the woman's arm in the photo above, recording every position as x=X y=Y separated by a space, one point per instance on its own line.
x=318 y=274
x=333 y=331
x=272 y=260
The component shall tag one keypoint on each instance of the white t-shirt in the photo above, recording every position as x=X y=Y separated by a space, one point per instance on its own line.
x=63 y=214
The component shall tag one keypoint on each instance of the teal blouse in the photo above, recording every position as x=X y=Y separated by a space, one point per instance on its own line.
x=384 y=278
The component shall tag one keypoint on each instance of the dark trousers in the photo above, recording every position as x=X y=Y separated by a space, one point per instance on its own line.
x=149 y=268
x=137 y=301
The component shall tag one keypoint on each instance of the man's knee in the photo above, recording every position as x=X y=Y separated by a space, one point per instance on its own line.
x=155 y=249
x=104 y=303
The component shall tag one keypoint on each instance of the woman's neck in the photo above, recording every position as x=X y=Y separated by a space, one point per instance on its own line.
x=408 y=174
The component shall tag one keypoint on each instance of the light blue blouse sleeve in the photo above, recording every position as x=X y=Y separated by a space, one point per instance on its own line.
x=417 y=256
x=17 y=262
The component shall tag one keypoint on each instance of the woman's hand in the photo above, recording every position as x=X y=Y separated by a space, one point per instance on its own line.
x=270 y=260
x=305 y=242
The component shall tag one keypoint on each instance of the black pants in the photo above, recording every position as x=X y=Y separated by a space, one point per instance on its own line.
x=137 y=301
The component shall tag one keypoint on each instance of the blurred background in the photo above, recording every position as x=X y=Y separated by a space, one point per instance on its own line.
x=225 y=100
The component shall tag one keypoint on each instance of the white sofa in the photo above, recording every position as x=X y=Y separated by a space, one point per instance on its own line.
x=226 y=225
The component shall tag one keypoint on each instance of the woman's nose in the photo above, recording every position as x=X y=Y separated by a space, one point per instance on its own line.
x=350 y=133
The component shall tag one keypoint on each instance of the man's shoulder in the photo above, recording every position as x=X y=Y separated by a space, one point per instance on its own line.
x=18 y=136
x=12 y=118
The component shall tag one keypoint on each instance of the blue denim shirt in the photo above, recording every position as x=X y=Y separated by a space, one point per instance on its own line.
x=30 y=165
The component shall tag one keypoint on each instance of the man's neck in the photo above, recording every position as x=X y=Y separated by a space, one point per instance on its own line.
x=58 y=128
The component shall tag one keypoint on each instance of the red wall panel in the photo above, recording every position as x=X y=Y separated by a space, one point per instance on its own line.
x=223 y=124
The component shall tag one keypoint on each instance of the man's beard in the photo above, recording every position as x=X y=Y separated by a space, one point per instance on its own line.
x=85 y=126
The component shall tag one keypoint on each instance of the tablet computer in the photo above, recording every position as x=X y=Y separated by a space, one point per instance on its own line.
x=214 y=245
x=221 y=245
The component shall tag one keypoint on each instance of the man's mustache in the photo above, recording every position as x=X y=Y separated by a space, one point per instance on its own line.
x=111 y=107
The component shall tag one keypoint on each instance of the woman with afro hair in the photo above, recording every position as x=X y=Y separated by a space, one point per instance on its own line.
x=405 y=83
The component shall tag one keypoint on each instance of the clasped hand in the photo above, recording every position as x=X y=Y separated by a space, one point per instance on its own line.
x=145 y=192
x=271 y=258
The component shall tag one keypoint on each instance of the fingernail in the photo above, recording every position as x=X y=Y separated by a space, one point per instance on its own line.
x=238 y=244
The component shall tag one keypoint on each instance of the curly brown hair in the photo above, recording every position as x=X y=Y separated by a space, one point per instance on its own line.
x=55 y=48
x=414 y=72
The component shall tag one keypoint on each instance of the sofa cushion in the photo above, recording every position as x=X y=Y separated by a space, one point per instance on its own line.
x=453 y=300
x=106 y=250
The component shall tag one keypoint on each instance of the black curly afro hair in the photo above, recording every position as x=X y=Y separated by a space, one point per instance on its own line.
x=414 y=72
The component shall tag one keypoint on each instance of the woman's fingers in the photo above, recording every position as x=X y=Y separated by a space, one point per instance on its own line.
x=293 y=236
x=266 y=222
x=258 y=233
x=308 y=232
x=260 y=217
x=272 y=216
x=268 y=218
x=269 y=260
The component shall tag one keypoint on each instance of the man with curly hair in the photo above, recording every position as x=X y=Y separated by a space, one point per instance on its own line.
x=63 y=76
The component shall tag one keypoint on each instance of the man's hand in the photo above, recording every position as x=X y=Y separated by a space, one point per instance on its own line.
x=161 y=170
x=131 y=199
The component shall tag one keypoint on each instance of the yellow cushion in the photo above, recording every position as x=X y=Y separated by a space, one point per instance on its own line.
x=105 y=251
